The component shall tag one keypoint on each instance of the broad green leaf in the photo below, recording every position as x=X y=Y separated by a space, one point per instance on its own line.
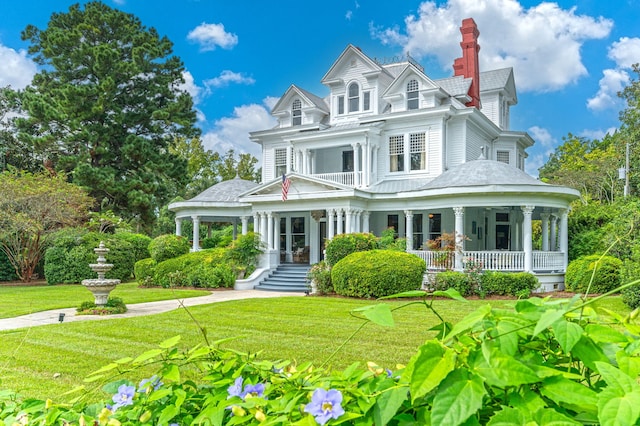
x=147 y=355
x=451 y=293
x=567 y=334
x=617 y=379
x=180 y=397
x=628 y=364
x=469 y=321
x=527 y=401
x=388 y=403
x=406 y=294
x=603 y=334
x=618 y=408
x=507 y=417
x=459 y=397
x=159 y=394
x=588 y=352
x=124 y=360
x=379 y=313
x=104 y=369
x=167 y=414
x=550 y=417
x=561 y=390
x=428 y=368
x=169 y=343
x=547 y=319
x=508 y=336
x=502 y=370
x=171 y=372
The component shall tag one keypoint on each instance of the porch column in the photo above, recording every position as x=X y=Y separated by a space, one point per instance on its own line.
x=276 y=232
x=178 y=227
x=290 y=159
x=564 y=236
x=528 y=243
x=408 y=215
x=356 y=164
x=545 y=231
x=339 y=220
x=256 y=223
x=553 y=245
x=459 y=237
x=365 y=221
x=269 y=230
x=245 y=224
x=196 y=233
x=235 y=229
x=358 y=214
x=347 y=221
x=331 y=214
x=287 y=240
x=374 y=163
x=263 y=229
x=366 y=161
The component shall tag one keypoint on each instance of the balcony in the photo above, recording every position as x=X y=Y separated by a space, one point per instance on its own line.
x=507 y=261
x=343 y=178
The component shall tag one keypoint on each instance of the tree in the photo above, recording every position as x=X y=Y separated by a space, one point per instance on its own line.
x=630 y=128
x=243 y=167
x=12 y=151
x=105 y=107
x=32 y=207
x=202 y=165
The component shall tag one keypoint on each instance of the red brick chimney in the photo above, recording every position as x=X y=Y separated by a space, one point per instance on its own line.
x=468 y=66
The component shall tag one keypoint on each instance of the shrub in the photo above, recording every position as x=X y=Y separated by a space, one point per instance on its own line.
x=519 y=284
x=453 y=279
x=165 y=272
x=7 y=271
x=114 y=305
x=631 y=272
x=243 y=253
x=340 y=246
x=580 y=274
x=145 y=268
x=219 y=238
x=167 y=247
x=377 y=273
x=139 y=243
x=204 y=276
x=320 y=274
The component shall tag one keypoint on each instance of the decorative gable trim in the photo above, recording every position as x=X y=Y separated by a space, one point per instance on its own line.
x=333 y=77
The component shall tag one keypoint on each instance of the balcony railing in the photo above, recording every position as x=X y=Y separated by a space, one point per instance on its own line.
x=543 y=261
x=344 y=178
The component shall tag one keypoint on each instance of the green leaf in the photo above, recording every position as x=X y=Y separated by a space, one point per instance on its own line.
x=502 y=370
x=567 y=334
x=458 y=397
x=628 y=364
x=550 y=417
x=388 y=403
x=469 y=321
x=406 y=294
x=451 y=293
x=171 y=372
x=561 y=390
x=616 y=378
x=603 y=334
x=508 y=416
x=616 y=407
x=169 y=343
x=587 y=351
x=428 y=368
x=508 y=336
x=167 y=414
x=125 y=360
x=145 y=356
x=159 y=394
x=104 y=369
x=379 y=313
x=547 y=319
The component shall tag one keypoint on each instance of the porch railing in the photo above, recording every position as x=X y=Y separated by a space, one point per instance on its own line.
x=344 y=178
x=543 y=261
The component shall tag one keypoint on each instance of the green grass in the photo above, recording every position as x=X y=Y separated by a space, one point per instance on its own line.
x=294 y=328
x=22 y=300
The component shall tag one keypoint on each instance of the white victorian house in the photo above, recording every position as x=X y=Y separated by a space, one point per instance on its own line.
x=390 y=147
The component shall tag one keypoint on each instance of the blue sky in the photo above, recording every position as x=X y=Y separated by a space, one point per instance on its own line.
x=569 y=57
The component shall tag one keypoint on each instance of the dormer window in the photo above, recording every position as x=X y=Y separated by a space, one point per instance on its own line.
x=354 y=97
x=412 y=94
x=296 y=113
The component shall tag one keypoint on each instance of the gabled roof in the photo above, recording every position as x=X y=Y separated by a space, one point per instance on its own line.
x=300 y=185
x=308 y=97
x=500 y=80
x=455 y=86
x=345 y=56
x=410 y=69
x=226 y=191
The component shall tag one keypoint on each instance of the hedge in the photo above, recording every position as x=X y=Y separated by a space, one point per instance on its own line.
x=340 y=246
x=377 y=273
x=167 y=247
x=7 y=271
x=519 y=284
x=580 y=274
x=206 y=268
x=453 y=279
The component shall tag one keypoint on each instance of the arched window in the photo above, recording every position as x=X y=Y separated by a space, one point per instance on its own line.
x=296 y=113
x=354 y=97
x=412 y=94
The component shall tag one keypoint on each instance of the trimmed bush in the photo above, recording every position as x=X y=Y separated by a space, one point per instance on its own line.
x=194 y=269
x=139 y=243
x=377 y=273
x=452 y=279
x=203 y=276
x=340 y=246
x=168 y=246
x=606 y=278
x=320 y=274
x=519 y=284
x=243 y=253
x=144 y=269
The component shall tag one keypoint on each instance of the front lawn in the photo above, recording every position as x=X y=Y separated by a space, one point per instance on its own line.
x=22 y=300
x=48 y=360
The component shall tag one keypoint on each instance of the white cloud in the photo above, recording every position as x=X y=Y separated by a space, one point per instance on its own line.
x=614 y=80
x=542 y=136
x=16 y=70
x=233 y=132
x=190 y=86
x=598 y=134
x=625 y=52
x=226 y=78
x=348 y=15
x=541 y=43
x=547 y=147
x=210 y=36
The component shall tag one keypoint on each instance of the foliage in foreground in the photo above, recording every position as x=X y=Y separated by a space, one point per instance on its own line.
x=545 y=361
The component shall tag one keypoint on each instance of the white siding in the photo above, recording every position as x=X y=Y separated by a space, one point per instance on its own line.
x=455 y=143
x=474 y=142
x=268 y=161
x=491 y=107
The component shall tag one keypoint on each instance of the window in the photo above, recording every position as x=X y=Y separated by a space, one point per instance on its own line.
x=296 y=113
x=354 y=97
x=392 y=222
x=502 y=156
x=396 y=153
x=347 y=161
x=366 y=101
x=340 y=104
x=280 y=161
x=298 y=242
x=412 y=94
x=417 y=231
x=417 y=149
x=435 y=226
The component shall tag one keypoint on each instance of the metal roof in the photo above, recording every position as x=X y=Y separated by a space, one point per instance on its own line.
x=226 y=191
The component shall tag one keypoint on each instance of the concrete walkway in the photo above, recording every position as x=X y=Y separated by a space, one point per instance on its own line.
x=136 y=310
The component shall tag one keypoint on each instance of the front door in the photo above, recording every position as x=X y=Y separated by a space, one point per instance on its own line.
x=299 y=246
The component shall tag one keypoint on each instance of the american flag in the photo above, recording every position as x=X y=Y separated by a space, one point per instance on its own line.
x=286 y=183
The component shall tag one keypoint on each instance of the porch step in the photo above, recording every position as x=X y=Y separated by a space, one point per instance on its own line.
x=286 y=277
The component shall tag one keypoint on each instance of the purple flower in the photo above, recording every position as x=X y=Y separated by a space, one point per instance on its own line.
x=249 y=391
x=325 y=405
x=236 y=388
x=152 y=382
x=123 y=397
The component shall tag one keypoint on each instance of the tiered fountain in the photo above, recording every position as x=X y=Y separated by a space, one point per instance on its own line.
x=101 y=287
